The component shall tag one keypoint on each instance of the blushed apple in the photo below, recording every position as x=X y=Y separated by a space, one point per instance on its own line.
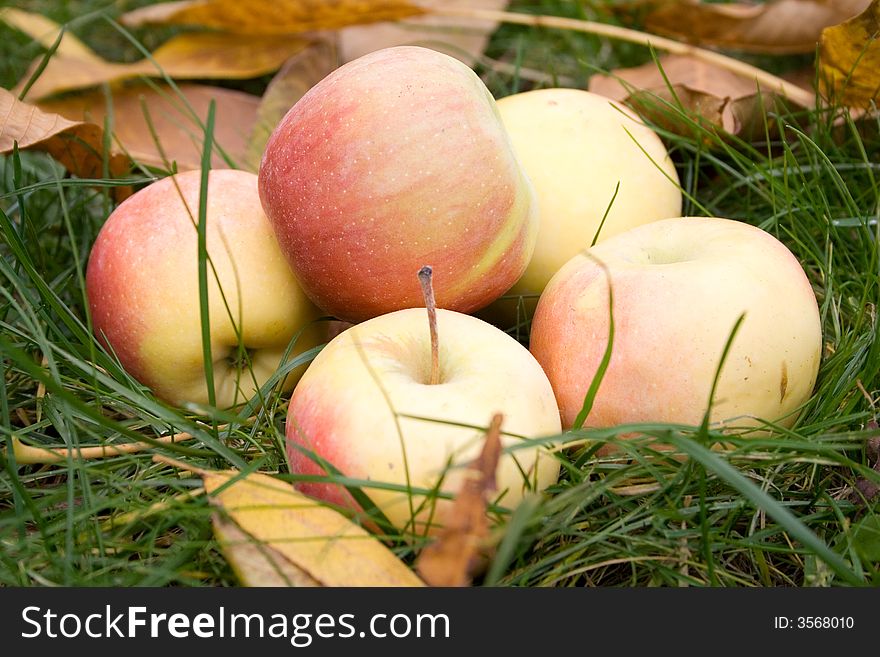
x=143 y=290
x=679 y=286
x=576 y=147
x=367 y=406
x=395 y=159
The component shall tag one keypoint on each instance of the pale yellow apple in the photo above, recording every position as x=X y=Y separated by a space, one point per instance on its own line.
x=576 y=147
x=143 y=290
x=679 y=286
x=367 y=407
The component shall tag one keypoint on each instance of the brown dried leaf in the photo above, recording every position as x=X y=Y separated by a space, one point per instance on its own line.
x=271 y=16
x=464 y=38
x=451 y=559
x=202 y=55
x=709 y=94
x=296 y=77
x=180 y=134
x=849 y=60
x=865 y=489
x=778 y=26
x=78 y=145
x=273 y=535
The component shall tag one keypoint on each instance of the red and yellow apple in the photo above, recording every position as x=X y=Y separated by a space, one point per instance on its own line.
x=576 y=147
x=143 y=290
x=366 y=406
x=679 y=286
x=395 y=159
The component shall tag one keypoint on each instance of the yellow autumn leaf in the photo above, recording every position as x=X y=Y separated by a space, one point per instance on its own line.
x=272 y=534
x=194 y=55
x=849 y=60
x=272 y=16
x=222 y=56
x=157 y=125
x=78 y=145
x=777 y=26
x=255 y=563
x=41 y=29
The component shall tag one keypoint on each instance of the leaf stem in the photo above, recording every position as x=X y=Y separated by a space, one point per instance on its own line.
x=31 y=455
x=763 y=78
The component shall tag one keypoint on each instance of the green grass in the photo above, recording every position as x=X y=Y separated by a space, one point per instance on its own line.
x=777 y=509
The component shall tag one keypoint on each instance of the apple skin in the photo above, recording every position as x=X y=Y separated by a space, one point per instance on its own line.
x=143 y=291
x=342 y=411
x=679 y=286
x=575 y=146
x=394 y=160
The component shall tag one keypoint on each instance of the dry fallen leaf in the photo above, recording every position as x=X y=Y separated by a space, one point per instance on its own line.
x=222 y=56
x=451 y=559
x=78 y=145
x=714 y=96
x=180 y=134
x=849 y=60
x=271 y=16
x=778 y=26
x=866 y=490
x=193 y=55
x=274 y=535
x=463 y=38
x=41 y=29
x=296 y=77
x=254 y=563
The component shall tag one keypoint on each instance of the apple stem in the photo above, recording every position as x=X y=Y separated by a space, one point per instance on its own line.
x=425 y=278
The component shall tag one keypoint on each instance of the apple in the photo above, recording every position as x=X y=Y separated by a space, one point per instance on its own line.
x=395 y=159
x=368 y=406
x=679 y=286
x=576 y=147
x=143 y=290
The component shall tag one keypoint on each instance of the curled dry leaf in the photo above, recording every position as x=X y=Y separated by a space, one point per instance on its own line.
x=713 y=96
x=177 y=130
x=201 y=55
x=78 y=145
x=274 y=535
x=777 y=26
x=299 y=74
x=464 y=38
x=867 y=490
x=849 y=60
x=453 y=557
x=272 y=16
